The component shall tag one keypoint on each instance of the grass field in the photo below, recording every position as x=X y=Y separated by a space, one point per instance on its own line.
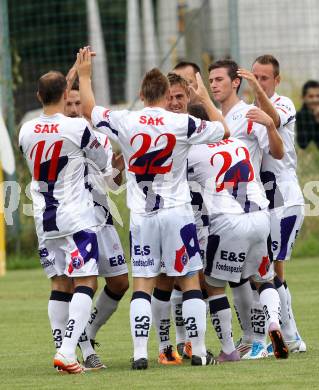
x=27 y=349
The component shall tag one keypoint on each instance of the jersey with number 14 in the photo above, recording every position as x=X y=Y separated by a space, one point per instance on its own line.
x=57 y=149
x=155 y=145
x=227 y=177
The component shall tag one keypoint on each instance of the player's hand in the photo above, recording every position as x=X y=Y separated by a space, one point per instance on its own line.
x=83 y=62
x=249 y=76
x=259 y=116
x=200 y=93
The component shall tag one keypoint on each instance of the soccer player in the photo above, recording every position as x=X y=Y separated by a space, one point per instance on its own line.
x=56 y=149
x=242 y=121
x=188 y=71
x=164 y=296
x=238 y=227
x=155 y=144
x=112 y=265
x=281 y=184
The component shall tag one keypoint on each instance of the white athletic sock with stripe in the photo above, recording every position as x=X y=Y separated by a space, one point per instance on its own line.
x=105 y=305
x=243 y=300
x=58 y=312
x=194 y=314
x=287 y=323
x=79 y=313
x=270 y=301
x=177 y=314
x=221 y=318
x=258 y=320
x=141 y=321
x=161 y=310
x=291 y=311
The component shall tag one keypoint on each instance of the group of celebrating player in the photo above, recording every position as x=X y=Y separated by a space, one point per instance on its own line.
x=214 y=199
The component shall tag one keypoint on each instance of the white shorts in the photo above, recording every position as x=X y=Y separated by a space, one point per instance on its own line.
x=76 y=255
x=285 y=224
x=237 y=246
x=111 y=256
x=168 y=235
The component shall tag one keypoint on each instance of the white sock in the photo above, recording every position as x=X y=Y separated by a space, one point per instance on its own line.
x=243 y=300
x=194 y=314
x=221 y=318
x=86 y=346
x=270 y=302
x=258 y=320
x=287 y=324
x=79 y=313
x=58 y=312
x=297 y=334
x=161 y=308
x=141 y=321
x=177 y=314
x=105 y=305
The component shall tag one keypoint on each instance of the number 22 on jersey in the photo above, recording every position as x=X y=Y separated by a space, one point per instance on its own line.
x=144 y=162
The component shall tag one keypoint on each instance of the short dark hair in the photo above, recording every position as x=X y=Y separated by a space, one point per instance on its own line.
x=51 y=87
x=267 y=59
x=198 y=111
x=231 y=66
x=309 y=84
x=174 y=79
x=183 y=64
x=154 y=86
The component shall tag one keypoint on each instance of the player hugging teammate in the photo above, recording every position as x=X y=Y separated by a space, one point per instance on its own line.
x=179 y=151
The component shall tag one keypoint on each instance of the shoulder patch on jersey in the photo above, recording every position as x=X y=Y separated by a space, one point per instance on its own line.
x=106 y=114
x=191 y=127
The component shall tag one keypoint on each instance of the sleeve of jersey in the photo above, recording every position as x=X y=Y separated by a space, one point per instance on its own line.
x=286 y=111
x=107 y=121
x=262 y=137
x=204 y=132
x=91 y=147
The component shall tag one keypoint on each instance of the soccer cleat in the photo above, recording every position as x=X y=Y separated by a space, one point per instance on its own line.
x=228 y=357
x=270 y=350
x=64 y=364
x=242 y=347
x=280 y=348
x=93 y=363
x=205 y=360
x=303 y=346
x=139 y=364
x=187 y=352
x=258 y=351
x=169 y=357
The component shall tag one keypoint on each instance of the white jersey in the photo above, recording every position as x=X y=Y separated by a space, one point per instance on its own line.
x=227 y=177
x=56 y=149
x=279 y=176
x=97 y=183
x=155 y=145
x=252 y=134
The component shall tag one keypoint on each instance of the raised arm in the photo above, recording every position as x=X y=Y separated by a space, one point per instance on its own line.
x=83 y=67
x=262 y=99
x=202 y=95
x=276 y=146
